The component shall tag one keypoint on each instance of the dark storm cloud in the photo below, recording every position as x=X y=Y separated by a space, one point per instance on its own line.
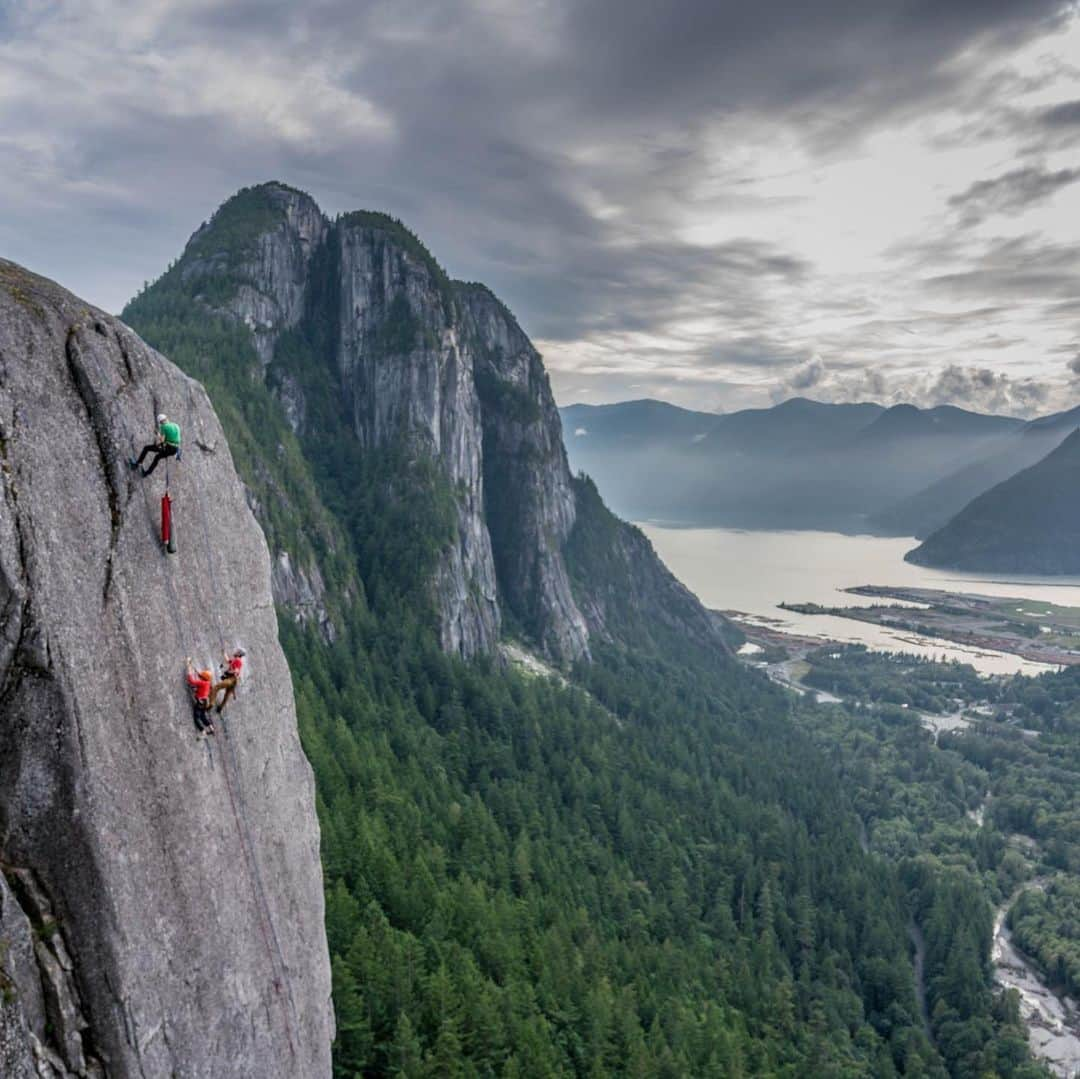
x=488 y=102
x=1064 y=115
x=495 y=124
x=698 y=55
x=1011 y=193
x=606 y=286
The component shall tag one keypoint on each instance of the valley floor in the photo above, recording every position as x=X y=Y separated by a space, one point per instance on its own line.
x=990 y=722
x=1033 y=629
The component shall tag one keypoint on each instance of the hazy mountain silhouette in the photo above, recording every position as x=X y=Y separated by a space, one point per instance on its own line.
x=1030 y=523
x=1019 y=448
x=800 y=464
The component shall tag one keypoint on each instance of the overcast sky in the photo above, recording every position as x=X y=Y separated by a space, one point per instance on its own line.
x=718 y=203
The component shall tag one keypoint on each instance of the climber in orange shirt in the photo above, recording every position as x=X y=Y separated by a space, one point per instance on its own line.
x=201 y=683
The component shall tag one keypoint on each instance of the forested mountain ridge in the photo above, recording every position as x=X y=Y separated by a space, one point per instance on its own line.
x=641 y=868
x=1030 y=523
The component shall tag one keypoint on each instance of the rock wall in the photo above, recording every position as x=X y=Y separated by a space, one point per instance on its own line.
x=274 y=271
x=530 y=500
x=414 y=354
x=408 y=373
x=161 y=908
x=627 y=595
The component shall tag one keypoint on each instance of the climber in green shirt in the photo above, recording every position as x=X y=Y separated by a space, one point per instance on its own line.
x=167 y=444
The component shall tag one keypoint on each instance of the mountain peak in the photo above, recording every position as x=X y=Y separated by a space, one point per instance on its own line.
x=366 y=343
x=799 y=404
x=243 y=218
x=906 y=420
x=384 y=351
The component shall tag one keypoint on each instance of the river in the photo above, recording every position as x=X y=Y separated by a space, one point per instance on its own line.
x=1053 y=1022
x=753 y=572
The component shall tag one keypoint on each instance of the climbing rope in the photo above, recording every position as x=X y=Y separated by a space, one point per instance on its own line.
x=110 y=401
x=269 y=933
x=183 y=631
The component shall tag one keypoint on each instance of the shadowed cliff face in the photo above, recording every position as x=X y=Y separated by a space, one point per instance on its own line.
x=161 y=907
x=531 y=507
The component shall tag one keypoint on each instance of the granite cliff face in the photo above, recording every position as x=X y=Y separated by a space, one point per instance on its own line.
x=432 y=370
x=531 y=507
x=161 y=908
x=407 y=369
x=273 y=268
x=629 y=596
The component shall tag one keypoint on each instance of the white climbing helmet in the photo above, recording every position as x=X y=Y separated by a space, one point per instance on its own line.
x=161 y=417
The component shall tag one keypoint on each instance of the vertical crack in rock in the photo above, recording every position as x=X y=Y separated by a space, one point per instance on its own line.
x=107 y=455
x=125 y=355
x=23 y=647
x=67 y=1032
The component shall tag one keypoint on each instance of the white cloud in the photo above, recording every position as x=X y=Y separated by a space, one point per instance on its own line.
x=977 y=388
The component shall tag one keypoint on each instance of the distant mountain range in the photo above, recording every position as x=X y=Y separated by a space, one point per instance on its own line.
x=1030 y=523
x=802 y=464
